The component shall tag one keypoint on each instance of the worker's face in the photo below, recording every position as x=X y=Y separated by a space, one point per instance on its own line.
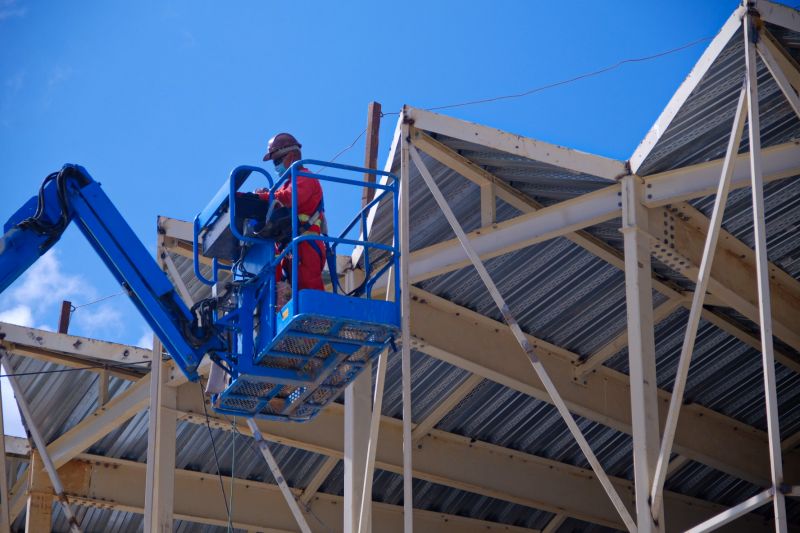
x=290 y=158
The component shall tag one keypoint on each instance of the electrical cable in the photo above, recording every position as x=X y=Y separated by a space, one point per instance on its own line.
x=106 y=366
x=540 y=88
x=573 y=79
x=214 y=447
x=75 y=307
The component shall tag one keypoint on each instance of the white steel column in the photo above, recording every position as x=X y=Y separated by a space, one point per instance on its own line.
x=641 y=350
x=405 y=322
x=161 y=436
x=365 y=511
x=523 y=342
x=764 y=309
x=357 y=408
x=162 y=430
x=703 y=277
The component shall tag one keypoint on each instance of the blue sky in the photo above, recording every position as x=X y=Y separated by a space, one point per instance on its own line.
x=159 y=100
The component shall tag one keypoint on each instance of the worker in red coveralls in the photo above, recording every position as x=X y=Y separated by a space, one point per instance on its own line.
x=283 y=150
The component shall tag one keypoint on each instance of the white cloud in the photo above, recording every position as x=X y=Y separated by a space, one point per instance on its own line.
x=20 y=315
x=44 y=285
x=146 y=340
x=95 y=320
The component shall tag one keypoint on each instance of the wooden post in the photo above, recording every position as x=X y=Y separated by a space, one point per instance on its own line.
x=63 y=320
x=371 y=149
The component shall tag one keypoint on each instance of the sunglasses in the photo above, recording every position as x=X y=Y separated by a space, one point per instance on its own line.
x=278 y=160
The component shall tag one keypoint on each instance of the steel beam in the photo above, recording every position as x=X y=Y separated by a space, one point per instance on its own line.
x=518 y=145
x=641 y=351
x=287 y=493
x=763 y=274
x=472 y=341
x=119 y=485
x=695 y=312
x=404 y=278
x=161 y=443
x=687 y=87
x=494 y=471
x=783 y=58
x=357 y=411
x=510 y=235
x=733 y=273
x=522 y=340
x=695 y=181
x=765 y=51
x=780 y=15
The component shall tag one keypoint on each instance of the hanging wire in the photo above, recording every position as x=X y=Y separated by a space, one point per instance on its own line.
x=104 y=366
x=541 y=88
x=573 y=79
x=76 y=307
x=214 y=448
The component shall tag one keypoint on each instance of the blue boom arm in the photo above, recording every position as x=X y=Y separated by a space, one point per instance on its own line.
x=72 y=194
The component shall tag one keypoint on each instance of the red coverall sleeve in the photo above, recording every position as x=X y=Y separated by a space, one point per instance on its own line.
x=309 y=195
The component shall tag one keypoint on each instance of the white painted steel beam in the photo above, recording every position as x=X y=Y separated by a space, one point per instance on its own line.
x=526 y=347
x=695 y=313
x=778 y=162
x=74 y=351
x=763 y=275
x=445 y=406
x=685 y=90
x=613 y=347
x=357 y=411
x=603 y=398
x=787 y=63
x=641 y=352
x=161 y=436
x=778 y=74
x=286 y=491
x=491 y=470
x=322 y=473
x=733 y=273
x=780 y=15
x=477 y=343
x=365 y=510
x=405 y=319
x=518 y=145
x=734 y=512
x=517 y=233
x=116 y=484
